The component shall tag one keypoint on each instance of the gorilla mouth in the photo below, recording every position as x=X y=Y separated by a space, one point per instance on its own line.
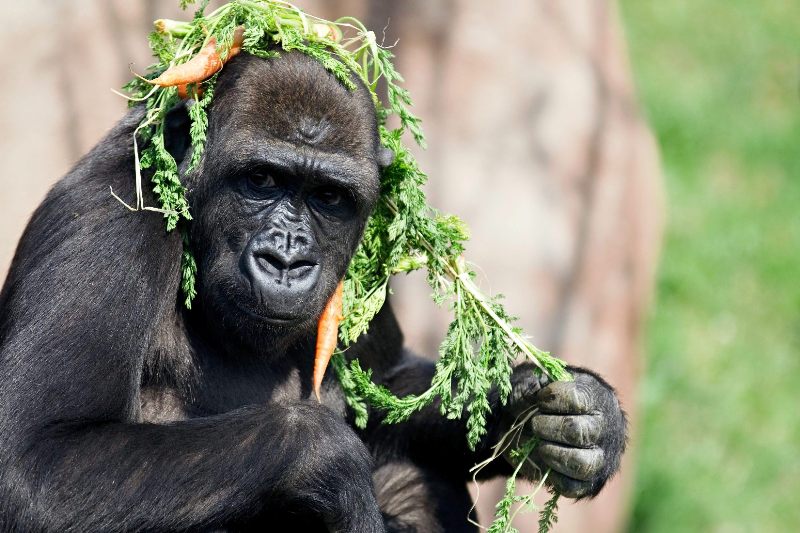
x=272 y=319
x=275 y=285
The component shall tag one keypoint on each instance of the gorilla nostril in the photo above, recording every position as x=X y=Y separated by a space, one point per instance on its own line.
x=270 y=262
x=300 y=269
x=301 y=264
x=281 y=267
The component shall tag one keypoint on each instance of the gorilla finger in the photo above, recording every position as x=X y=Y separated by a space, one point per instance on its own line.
x=564 y=397
x=582 y=431
x=579 y=463
x=600 y=390
x=524 y=386
x=567 y=486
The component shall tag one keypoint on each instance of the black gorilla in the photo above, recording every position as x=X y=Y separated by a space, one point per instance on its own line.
x=122 y=411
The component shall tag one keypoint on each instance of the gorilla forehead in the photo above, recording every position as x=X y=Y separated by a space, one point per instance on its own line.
x=293 y=98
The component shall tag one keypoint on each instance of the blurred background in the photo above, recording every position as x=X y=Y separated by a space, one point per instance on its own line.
x=629 y=173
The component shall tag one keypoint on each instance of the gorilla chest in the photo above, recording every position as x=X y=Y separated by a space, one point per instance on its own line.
x=224 y=390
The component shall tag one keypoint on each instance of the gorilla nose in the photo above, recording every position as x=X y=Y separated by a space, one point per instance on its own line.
x=283 y=268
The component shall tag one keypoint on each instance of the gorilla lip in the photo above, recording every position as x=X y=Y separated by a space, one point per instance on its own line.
x=274 y=319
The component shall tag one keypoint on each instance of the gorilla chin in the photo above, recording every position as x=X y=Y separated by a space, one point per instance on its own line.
x=267 y=318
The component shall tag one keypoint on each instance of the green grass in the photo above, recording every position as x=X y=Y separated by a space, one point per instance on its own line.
x=719 y=443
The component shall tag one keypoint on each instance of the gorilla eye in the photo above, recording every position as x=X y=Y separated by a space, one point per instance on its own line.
x=259 y=180
x=330 y=196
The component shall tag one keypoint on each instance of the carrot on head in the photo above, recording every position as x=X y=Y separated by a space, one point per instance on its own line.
x=238 y=40
x=327 y=335
x=205 y=64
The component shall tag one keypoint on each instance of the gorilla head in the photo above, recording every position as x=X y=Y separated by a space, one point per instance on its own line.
x=290 y=175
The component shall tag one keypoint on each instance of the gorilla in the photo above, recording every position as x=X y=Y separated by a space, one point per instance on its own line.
x=121 y=410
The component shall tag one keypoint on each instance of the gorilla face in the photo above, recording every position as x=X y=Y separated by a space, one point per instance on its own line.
x=289 y=177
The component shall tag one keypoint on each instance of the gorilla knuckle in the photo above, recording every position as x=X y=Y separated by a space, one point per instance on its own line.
x=577 y=463
x=577 y=397
x=579 y=476
x=318 y=424
x=591 y=463
x=596 y=390
x=580 y=431
x=334 y=454
x=524 y=381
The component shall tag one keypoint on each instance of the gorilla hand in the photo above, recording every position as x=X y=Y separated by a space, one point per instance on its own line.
x=334 y=472
x=580 y=426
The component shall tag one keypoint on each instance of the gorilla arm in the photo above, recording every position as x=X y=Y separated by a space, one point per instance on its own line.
x=580 y=424
x=427 y=438
x=89 y=285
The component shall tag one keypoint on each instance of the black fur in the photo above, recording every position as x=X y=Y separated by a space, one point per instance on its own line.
x=122 y=411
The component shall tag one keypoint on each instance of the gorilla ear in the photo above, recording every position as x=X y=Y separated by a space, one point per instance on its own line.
x=385 y=157
x=176 y=132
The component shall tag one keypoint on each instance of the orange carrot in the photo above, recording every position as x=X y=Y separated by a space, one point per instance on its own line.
x=201 y=67
x=183 y=91
x=238 y=39
x=327 y=334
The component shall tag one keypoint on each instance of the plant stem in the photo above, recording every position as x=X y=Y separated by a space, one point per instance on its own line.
x=457 y=274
